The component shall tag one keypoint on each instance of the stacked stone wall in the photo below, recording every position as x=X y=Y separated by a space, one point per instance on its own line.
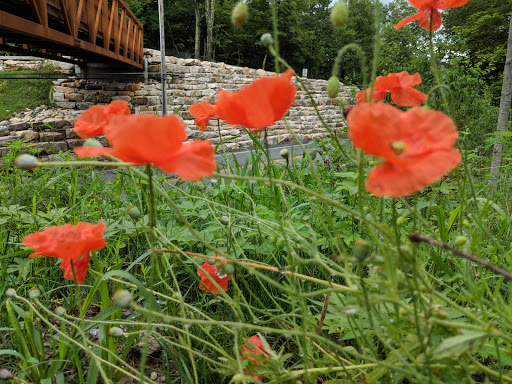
x=189 y=81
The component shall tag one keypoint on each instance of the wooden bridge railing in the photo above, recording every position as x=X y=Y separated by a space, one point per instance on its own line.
x=88 y=25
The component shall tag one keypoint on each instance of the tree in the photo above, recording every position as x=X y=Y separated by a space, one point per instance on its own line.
x=480 y=30
x=506 y=93
x=209 y=11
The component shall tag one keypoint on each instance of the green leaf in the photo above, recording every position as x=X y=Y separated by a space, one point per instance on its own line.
x=453 y=347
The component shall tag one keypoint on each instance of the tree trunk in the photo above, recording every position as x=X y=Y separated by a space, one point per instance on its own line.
x=506 y=93
x=210 y=17
x=197 y=37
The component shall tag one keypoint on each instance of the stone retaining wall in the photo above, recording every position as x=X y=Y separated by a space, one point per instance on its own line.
x=190 y=81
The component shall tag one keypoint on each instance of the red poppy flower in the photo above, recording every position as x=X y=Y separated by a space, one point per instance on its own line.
x=206 y=285
x=150 y=139
x=399 y=85
x=429 y=16
x=71 y=243
x=251 y=349
x=417 y=146
x=93 y=120
x=255 y=106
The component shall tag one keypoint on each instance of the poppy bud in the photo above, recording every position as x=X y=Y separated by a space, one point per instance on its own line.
x=465 y=223
x=361 y=250
x=115 y=332
x=284 y=153
x=347 y=109
x=34 y=293
x=133 y=212
x=267 y=40
x=224 y=220
x=154 y=376
x=26 y=162
x=273 y=238
x=199 y=186
x=60 y=311
x=339 y=14
x=10 y=292
x=312 y=154
x=460 y=240
x=333 y=86
x=239 y=14
x=5 y=374
x=123 y=298
x=92 y=143
x=229 y=268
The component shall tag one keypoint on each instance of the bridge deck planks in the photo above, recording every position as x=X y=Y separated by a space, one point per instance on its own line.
x=86 y=28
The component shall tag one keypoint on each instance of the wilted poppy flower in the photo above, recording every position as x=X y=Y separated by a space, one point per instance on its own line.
x=429 y=16
x=255 y=106
x=150 y=139
x=206 y=285
x=251 y=349
x=93 y=120
x=399 y=85
x=417 y=146
x=71 y=243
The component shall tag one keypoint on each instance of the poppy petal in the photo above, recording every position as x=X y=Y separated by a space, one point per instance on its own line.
x=91 y=122
x=258 y=105
x=372 y=127
x=425 y=20
x=202 y=112
x=206 y=285
x=76 y=268
x=407 y=20
x=193 y=161
x=453 y=4
x=389 y=180
x=408 y=97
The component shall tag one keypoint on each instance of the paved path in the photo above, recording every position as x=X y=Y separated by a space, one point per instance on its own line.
x=227 y=159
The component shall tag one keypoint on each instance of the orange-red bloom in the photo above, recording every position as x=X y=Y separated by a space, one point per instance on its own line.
x=428 y=14
x=251 y=349
x=93 y=120
x=71 y=243
x=399 y=85
x=255 y=106
x=417 y=146
x=150 y=139
x=206 y=285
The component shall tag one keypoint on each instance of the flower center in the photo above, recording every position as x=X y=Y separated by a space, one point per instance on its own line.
x=398 y=147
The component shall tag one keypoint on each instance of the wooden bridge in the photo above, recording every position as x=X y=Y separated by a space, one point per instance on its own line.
x=75 y=31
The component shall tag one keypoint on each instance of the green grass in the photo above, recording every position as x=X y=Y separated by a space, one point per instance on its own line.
x=18 y=94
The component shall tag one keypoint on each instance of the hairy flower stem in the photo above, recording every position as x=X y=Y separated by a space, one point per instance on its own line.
x=435 y=69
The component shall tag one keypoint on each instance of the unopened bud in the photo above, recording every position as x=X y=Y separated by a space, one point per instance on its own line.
x=92 y=143
x=267 y=40
x=347 y=109
x=400 y=221
x=34 y=293
x=224 y=220
x=123 y=298
x=237 y=379
x=465 y=223
x=199 y=185
x=361 y=250
x=5 y=374
x=60 y=311
x=239 y=14
x=312 y=154
x=333 y=86
x=10 y=292
x=133 y=212
x=154 y=376
x=229 y=268
x=115 y=332
x=284 y=153
x=339 y=14
x=26 y=162
x=460 y=240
